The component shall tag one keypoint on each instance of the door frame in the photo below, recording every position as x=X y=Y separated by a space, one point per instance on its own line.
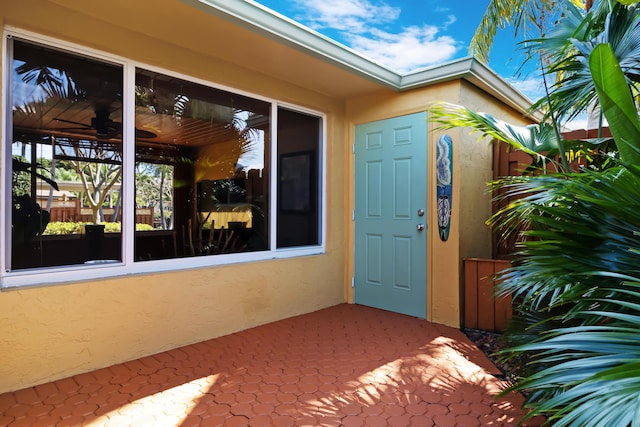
x=429 y=194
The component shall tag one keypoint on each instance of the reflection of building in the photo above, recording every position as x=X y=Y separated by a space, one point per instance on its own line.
x=62 y=205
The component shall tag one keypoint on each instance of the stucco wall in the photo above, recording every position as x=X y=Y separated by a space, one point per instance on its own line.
x=56 y=331
x=52 y=332
x=476 y=162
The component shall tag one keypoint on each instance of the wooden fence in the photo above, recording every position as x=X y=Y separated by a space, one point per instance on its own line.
x=70 y=211
x=482 y=309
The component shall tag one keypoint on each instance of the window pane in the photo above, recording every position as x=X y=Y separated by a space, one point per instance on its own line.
x=67 y=158
x=201 y=169
x=298 y=179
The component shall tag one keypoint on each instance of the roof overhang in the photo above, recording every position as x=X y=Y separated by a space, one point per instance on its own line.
x=259 y=19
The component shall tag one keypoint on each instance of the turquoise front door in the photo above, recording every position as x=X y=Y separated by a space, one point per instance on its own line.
x=390 y=215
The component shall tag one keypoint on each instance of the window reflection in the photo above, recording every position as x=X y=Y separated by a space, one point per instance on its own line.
x=66 y=158
x=214 y=143
x=201 y=166
x=298 y=179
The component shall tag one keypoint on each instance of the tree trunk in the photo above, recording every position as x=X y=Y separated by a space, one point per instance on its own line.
x=163 y=222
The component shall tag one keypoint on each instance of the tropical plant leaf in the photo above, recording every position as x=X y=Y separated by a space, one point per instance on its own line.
x=540 y=141
x=20 y=166
x=616 y=101
x=567 y=49
x=576 y=283
x=523 y=15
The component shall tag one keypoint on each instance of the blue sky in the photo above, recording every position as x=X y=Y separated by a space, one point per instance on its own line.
x=407 y=35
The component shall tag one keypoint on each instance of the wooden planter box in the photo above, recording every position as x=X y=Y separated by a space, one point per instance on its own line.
x=482 y=310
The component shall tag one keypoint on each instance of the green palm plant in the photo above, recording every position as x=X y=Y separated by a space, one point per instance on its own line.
x=577 y=275
x=567 y=47
x=575 y=279
x=577 y=282
x=539 y=140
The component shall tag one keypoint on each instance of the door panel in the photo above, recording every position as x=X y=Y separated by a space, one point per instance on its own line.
x=390 y=188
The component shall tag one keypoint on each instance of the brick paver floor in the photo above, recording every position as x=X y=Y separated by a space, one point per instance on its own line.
x=347 y=365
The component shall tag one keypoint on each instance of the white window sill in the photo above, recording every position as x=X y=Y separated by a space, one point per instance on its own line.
x=113 y=269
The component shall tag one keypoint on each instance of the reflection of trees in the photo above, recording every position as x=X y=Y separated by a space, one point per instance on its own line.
x=57 y=79
x=98 y=167
x=60 y=77
x=154 y=188
x=170 y=102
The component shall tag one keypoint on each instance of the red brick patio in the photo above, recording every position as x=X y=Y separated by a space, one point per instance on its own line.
x=346 y=365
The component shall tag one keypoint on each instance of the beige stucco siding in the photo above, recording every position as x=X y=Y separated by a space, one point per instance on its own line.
x=57 y=331
x=476 y=163
x=52 y=332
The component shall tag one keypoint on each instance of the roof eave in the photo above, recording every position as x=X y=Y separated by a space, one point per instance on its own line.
x=475 y=72
x=275 y=26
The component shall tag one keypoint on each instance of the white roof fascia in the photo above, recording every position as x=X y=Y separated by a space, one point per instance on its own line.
x=474 y=71
x=262 y=20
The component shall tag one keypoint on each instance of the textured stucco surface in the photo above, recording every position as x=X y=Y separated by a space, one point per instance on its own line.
x=52 y=332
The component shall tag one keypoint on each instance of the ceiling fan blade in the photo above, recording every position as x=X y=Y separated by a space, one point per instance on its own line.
x=84 y=125
x=141 y=133
x=72 y=129
x=104 y=127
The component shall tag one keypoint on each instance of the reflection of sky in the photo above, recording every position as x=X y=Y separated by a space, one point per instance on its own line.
x=24 y=93
x=253 y=157
x=44 y=150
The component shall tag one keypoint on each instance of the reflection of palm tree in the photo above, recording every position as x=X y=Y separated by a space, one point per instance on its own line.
x=180 y=106
x=98 y=167
x=56 y=83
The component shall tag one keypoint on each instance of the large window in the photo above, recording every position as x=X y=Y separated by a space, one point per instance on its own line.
x=208 y=146
x=188 y=171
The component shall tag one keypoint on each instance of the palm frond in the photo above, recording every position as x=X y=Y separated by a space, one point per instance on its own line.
x=539 y=140
x=534 y=139
x=523 y=15
x=576 y=281
x=568 y=48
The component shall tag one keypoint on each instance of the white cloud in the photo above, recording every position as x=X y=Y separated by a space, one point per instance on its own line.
x=346 y=15
x=411 y=49
x=365 y=27
x=451 y=19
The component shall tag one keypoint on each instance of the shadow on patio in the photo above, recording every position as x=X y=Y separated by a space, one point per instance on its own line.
x=342 y=366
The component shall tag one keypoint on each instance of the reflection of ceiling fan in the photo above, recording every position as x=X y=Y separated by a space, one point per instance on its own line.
x=104 y=126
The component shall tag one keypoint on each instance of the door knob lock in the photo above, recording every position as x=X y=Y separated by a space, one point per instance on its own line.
x=420 y=227
x=420 y=212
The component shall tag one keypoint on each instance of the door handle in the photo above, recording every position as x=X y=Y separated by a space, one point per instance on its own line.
x=420 y=227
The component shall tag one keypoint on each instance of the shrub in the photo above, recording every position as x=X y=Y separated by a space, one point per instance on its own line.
x=64 y=228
